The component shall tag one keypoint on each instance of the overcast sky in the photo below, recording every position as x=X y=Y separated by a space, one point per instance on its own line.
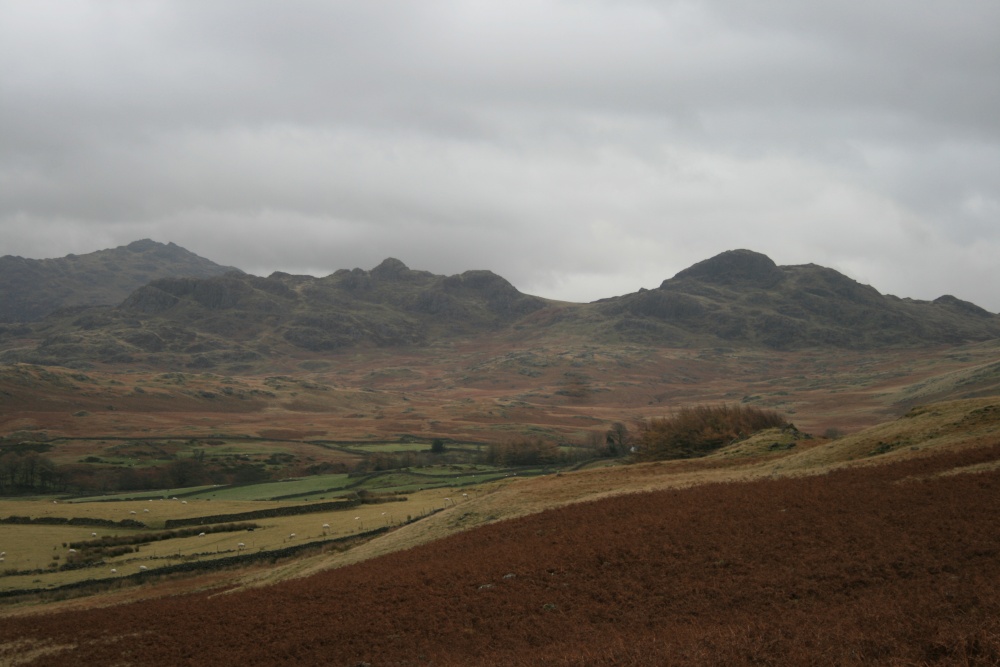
x=579 y=149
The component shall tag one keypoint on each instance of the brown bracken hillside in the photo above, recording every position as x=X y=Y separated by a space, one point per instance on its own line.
x=866 y=564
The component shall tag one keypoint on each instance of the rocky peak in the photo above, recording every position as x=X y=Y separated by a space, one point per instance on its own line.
x=390 y=269
x=734 y=267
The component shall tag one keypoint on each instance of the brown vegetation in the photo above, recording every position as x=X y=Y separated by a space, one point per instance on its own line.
x=889 y=564
x=696 y=431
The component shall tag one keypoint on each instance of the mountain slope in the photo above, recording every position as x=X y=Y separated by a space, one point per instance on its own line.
x=236 y=318
x=34 y=288
x=738 y=298
x=743 y=297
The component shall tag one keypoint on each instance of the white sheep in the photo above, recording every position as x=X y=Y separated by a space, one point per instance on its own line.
x=114 y=571
x=146 y=511
x=131 y=512
x=142 y=568
x=72 y=551
x=241 y=546
x=201 y=534
x=93 y=534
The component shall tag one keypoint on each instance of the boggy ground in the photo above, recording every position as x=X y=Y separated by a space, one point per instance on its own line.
x=875 y=564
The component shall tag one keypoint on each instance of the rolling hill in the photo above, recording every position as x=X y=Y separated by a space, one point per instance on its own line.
x=34 y=288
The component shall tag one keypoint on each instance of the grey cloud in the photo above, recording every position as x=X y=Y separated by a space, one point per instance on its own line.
x=579 y=149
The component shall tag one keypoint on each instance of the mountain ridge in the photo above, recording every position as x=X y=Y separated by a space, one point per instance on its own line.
x=738 y=297
x=34 y=288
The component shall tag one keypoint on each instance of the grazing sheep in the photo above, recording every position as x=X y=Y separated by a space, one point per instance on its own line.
x=201 y=534
x=241 y=546
x=146 y=511
x=131 y=512
x=93 y=534
x=114 y=571
x=142 y=568
x=72 y=551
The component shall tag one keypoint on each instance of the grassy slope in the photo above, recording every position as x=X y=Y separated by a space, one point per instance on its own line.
x=955 y=425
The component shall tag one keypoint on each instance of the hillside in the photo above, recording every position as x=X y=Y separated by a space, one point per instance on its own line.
x=236 y=319
x=744 y=298
x=34 y=288
x=855 y=555
x=239 y=323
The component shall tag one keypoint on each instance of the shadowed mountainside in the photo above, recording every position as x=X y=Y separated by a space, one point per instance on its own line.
x=738 y=298
x=34 y=288
x=238 y=318
x=743 y=297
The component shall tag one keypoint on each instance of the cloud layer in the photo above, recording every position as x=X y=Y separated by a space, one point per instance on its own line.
x=579 y=149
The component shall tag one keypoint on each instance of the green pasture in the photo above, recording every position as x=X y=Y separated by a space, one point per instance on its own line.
x=389 y=447
x=34 y=553
x=399 y=447
x=143 y=495
x=328 y=485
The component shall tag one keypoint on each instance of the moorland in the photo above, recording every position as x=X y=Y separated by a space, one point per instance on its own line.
x=419 y=469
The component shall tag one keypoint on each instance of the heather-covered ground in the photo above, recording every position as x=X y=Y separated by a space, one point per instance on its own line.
x=890 y=564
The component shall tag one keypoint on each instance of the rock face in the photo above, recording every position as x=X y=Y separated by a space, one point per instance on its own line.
x=34 y=288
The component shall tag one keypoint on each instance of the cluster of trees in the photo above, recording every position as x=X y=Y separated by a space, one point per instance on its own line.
x=34 y=473
x=702 y=429
x=28 y=472
x=522 y=452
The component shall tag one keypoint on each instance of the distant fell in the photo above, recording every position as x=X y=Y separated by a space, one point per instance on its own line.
x=236 y=318
x=30 y=289
x=742 y=297
x=236 y=321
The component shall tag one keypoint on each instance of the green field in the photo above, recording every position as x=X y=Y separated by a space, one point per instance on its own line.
x=36 y=555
